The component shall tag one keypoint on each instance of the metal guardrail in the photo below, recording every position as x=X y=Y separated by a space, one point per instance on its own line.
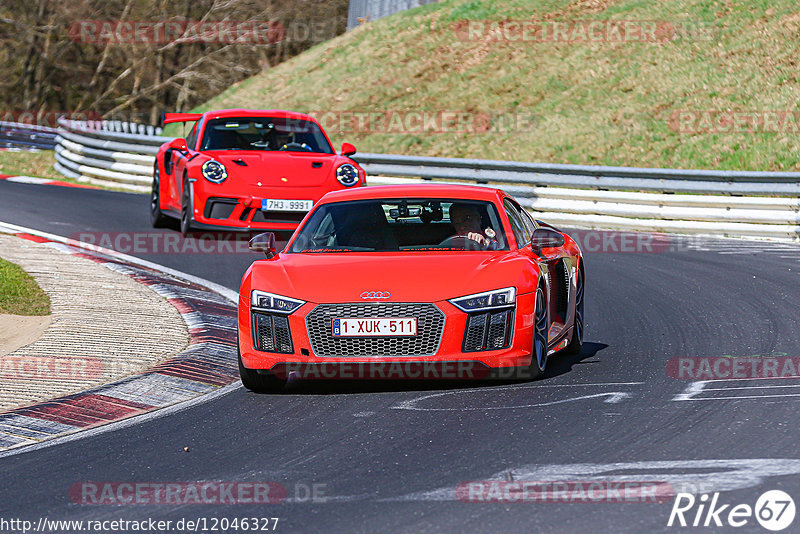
x=108 y=153
x=730 y=203
x=22 y=135
x=734 y=203
x=585 y=176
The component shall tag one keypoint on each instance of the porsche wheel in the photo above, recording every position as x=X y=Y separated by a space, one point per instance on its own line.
x=157 y=217
x=259 y=383
x=540 y=347
x=576 y=342
x=186 y=210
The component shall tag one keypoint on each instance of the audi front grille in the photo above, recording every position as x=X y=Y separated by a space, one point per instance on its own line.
x=430 y=327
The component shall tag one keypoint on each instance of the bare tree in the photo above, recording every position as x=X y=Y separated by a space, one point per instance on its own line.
x=66 y=55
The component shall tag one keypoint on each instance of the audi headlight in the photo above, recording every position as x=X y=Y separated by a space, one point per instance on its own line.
x=274 y=303
x=214 y=171
x=347 y=175
x=489 y=300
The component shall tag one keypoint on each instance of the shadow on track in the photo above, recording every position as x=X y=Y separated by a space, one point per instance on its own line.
x=559 y=365
x=562 y=364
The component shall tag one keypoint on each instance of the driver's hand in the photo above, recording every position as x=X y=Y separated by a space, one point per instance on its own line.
x=478 y=237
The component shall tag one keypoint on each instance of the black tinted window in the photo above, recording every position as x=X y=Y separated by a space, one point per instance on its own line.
x=191 y=140
x=413 y=225
x=265 y=133
x=517 y=224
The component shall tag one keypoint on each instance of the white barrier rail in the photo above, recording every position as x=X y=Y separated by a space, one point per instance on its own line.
x=729 y=204
x=108 y=153
x=732 y=203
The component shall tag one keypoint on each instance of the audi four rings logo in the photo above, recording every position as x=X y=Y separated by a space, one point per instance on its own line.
x=375 y=295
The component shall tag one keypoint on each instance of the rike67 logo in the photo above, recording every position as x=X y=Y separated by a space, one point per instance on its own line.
x=774 y=510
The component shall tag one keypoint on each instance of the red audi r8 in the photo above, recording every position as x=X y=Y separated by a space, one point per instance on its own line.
x=415 y=281
x=243 y=169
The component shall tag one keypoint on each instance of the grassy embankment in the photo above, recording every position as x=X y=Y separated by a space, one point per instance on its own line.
x=39 y=163
x=601 y=103
x=19 y=292
x=605 y=103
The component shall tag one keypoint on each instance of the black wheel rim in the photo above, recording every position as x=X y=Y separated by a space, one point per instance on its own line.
x=185 y=209
x=540 y=335
x=154 y=196
x=579 y=308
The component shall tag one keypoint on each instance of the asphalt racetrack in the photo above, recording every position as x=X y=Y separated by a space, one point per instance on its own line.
x=393 y=456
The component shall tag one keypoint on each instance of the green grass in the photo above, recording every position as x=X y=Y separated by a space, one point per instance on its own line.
x=473 y=10
x=19 y=292
x=588 y=103
x=39 y=164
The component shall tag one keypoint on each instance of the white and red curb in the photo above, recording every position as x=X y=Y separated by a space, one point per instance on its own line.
x=43 y=181
x=206 y=366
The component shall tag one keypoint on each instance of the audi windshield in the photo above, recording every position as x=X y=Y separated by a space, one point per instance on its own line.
x=402 y=225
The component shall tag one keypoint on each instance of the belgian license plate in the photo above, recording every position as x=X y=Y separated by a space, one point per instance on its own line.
x=358 y=327
x=280 y=204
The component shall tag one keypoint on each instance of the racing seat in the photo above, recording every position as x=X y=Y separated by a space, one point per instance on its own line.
x=366 y=229
x=226 y=139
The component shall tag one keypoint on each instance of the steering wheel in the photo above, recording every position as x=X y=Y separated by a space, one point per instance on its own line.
x=295 y=147
x=461 y=242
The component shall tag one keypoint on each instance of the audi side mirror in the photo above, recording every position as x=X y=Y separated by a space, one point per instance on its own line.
x=263 y=243
x=546 y=238
x=179 y=144
x=348 y=149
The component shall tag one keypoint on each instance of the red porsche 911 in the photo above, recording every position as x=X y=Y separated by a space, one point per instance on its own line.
x=243 y=169
x=418 y=281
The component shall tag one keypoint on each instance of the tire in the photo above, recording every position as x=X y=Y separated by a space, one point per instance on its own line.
x=576 y=343
x=157 y=217
x=541 y=327
x=186 y=209
x=257 y=382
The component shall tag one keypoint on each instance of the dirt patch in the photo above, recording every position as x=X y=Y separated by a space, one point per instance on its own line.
x=16 y=331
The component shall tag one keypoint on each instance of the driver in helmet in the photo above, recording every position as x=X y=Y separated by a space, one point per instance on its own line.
x=467 y=221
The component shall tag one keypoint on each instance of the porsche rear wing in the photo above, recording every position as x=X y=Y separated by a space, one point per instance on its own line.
x=181 y=117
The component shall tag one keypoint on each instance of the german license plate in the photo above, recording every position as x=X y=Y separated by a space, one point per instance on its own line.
x=368 y=327
x=280 y=204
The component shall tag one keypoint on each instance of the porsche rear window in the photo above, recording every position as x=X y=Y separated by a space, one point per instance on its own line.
x=265 y=133
x=402 y=225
